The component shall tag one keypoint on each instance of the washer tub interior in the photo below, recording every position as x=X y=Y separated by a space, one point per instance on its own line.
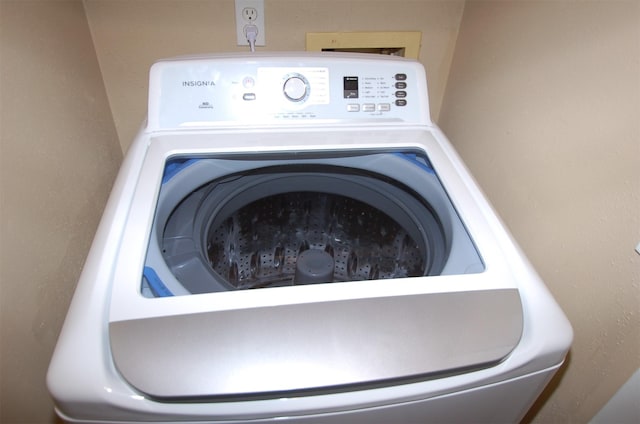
x=242 y=222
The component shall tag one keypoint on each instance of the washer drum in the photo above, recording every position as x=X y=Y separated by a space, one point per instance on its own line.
x=288 y=222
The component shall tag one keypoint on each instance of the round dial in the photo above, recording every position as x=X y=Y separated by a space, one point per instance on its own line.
x=296 y=88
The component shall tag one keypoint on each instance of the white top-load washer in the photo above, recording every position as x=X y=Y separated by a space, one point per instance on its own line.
x=291 y=238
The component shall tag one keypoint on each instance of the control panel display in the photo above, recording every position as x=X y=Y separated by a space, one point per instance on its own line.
x=350 y=87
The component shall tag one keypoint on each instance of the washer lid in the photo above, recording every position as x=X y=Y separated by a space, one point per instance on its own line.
x=317 y=347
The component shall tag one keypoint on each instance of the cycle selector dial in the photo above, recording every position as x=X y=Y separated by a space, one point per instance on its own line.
x=296 y=88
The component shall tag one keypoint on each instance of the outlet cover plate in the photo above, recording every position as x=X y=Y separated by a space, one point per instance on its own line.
x=241 y=22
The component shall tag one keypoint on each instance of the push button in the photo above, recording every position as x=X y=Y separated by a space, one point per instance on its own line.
x=384 y=107
x=401 y=85
x=368 y=107
x=401 y=102
x=401 y=77
x=401 y=94
x=248 y=82
x=354 y=107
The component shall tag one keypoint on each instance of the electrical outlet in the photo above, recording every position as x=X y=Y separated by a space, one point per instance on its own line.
x=249 y=12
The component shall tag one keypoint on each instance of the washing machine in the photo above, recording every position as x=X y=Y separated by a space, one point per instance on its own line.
x=291 y=239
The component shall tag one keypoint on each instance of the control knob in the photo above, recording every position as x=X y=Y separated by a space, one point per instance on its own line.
x=296 y=88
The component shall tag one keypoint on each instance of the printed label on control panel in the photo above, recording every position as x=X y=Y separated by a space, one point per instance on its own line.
x=189 y=95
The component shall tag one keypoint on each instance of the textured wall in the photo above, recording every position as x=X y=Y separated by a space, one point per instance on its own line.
x=542 y=103
x=59 y=154
x=130 y=35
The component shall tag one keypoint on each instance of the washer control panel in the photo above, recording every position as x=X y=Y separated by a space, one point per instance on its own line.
x=287 y=90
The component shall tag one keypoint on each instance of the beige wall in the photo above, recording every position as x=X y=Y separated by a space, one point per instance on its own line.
x=543 y=104
x=130 y=35
x=59 y=153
